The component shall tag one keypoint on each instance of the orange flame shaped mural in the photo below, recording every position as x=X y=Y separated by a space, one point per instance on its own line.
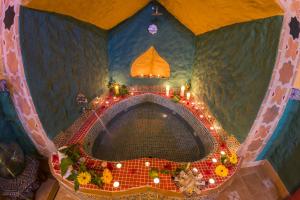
x=150 y=64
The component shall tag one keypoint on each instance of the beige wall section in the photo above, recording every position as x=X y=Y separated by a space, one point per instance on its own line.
x=199 y=16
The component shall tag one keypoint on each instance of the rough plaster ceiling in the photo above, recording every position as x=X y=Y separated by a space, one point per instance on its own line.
x=199 y=16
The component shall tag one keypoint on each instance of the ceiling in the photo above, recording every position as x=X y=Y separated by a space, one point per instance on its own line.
x=199 y=16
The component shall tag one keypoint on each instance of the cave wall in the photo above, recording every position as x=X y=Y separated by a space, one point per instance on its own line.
x=173 y=41
x=62 y=57
x=283 y=148
x=232 y=69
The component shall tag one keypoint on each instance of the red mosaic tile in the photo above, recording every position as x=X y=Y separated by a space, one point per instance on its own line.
x=134 y=173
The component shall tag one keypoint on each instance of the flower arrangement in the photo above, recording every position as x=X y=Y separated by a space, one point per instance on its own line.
x=74 y=168
x=226 y=161
x=117 y=89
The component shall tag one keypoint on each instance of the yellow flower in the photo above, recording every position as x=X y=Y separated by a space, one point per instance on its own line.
x=107 y=176
x=221 y=170
x=84 y=178
x=233 y=158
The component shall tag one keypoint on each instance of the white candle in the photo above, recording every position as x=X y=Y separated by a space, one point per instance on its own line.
x=156 y=180
x=188 y=95
x=182 y=91
x=211 y=181
x=116 y=184
x=147 y=164
x=167 y=90
x=119 y=165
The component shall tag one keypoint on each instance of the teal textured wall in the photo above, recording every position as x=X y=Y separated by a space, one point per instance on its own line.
x=284 y=149
x=173 y=41
x=11 y=129
x=62 y=57
x=232 y=69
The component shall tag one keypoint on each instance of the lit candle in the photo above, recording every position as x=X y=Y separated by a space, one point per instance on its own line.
x=188 y=95
x=119 y=165
x=116 y=184
x=195 y=170
x=182 y=91
x=147 y=164
x=214 y=160
x=156 y=180
x=117 y=90
x=222 y=153
x=167 y=90
x=211 y=181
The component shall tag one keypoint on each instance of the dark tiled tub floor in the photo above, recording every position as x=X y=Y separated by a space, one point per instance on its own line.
x=148 y=130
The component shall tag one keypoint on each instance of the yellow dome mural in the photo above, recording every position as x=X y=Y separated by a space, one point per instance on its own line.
x=199 y=16
x=150 y=64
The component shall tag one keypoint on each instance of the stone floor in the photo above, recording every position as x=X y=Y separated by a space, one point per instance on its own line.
x=251 y=183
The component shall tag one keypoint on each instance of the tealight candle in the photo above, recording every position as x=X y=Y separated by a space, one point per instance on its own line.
x=147 y=164
x=182 y=91
x=119 y=165
x=117 y=90
x=222 y=153
x=214 y=160
x=156 y=180
x=188 y=95
x=195 y=170
x=201 y=116
x=211 y=181
x=116 y=184
x=167 y=90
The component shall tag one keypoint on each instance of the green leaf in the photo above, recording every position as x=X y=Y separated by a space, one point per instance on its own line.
x=153 y=173
x=72 y=177
x=164 y=171
x=64 y=165
x=82 y=167
x=223 y=159
x=96 y=180
x=76 y=185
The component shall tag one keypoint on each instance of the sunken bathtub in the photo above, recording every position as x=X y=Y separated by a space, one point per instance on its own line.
x=144 y=131
x=148 y=125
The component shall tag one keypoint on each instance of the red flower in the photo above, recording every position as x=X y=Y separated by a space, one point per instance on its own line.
x=56 y=167
x=168 y=166
x=110 y=166
x=55 y=158
x=207 y=172
x=223 y=145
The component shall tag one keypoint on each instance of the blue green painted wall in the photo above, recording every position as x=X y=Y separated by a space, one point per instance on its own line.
x=283 y=148
x=174 y=42
x=232 y=69
x=62 y=57
x=11 y=129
